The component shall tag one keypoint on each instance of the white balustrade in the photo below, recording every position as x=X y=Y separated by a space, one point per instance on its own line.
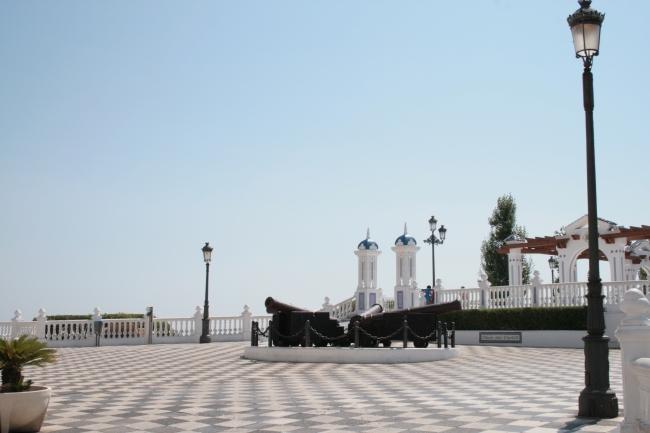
x=6 y=329
x=67 y=330
x=343 y=308
x=123 y=331
x=174 y=327
x=262 y=321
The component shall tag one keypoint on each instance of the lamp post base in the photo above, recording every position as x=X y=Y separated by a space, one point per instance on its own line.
x=597 y=400
x=597 y=404
x=205 y=339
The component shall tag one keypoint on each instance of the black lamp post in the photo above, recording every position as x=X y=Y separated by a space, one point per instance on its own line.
x=551 y=264
x=207 y=257
x=597 y=399
x=433 y=240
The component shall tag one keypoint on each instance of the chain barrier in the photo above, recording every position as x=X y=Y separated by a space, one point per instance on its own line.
x=427 y=338
x=350 y=334
x=387 y=337
x=276 y=332
x=331 y=339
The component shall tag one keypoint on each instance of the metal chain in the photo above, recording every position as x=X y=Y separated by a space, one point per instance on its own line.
x=319 y=335
x=387 y=337
x=428 y=337
x=275 y=330
x=263 y=334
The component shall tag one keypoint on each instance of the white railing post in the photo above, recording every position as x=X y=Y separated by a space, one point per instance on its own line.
x=634 y=337
x=198 y=323
x=327 y=307
x=15 y=324
x=536 y=288
x=40 y=324
x=484 y=285
x=246 y=323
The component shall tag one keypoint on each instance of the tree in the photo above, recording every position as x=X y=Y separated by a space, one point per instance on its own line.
x=503 y=223
x=643 y=275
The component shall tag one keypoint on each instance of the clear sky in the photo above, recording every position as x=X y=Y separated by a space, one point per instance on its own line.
x=133 y=132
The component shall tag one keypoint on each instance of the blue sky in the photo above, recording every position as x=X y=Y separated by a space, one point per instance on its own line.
x=133 y=132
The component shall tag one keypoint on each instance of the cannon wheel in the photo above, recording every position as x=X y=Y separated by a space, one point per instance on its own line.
x=420 y=344
x=387 y=343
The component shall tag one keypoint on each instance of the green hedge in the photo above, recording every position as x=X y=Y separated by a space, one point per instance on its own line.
x=89 y=316
x=519 y=319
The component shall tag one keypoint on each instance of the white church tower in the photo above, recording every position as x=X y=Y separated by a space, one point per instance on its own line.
x=407 y=292
x=367 y=292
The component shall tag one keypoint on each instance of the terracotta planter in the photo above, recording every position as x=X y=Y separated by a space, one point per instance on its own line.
x=24 y=411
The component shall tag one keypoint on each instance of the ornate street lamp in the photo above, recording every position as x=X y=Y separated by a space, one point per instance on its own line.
x=433 y=240
x=207 y=257
x=596 y=399
x=551 y=264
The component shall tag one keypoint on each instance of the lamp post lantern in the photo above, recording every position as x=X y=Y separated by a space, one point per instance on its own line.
x=551 y=264
x=433 y=240
x=596 y=399
x=205 y=331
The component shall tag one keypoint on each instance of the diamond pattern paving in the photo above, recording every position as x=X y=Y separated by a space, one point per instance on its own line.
x=211 y=388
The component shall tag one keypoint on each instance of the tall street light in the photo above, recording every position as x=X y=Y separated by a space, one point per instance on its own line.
x=205 y=332
x=597 y=399
x=433 y=240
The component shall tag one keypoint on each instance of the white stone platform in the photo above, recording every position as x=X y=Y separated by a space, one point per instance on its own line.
x=346 y=355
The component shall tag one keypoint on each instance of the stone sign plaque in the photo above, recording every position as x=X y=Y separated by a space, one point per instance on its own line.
x=499 y=337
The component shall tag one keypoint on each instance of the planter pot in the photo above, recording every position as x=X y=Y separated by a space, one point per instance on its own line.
x=24 y=411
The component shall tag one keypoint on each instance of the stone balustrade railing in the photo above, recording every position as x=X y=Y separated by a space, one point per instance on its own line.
x=634 y=337
x=147 y=330
x=344 y=308
x=535 y=294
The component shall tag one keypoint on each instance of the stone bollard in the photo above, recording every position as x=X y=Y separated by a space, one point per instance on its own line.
x=634 y=337
x=41 y=323
x=246 y=319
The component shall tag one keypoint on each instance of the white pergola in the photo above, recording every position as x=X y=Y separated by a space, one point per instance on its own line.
x=627 y=249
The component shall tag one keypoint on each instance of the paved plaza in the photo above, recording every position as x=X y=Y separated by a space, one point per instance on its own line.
x=211 y=388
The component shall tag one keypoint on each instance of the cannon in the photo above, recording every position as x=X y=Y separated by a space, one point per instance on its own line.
x=289 y=320
x=421 y=320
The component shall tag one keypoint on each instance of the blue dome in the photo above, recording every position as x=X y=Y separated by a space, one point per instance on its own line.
x=405 y=239
x=368 y=244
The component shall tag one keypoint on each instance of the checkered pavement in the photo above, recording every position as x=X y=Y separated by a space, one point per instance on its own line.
x=211 y=388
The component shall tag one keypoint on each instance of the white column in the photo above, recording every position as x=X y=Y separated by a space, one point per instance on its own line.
x=198 y=323
x=514 y=267
x=634 y=337
x=536 y=287
x=246 y=319
x=14 y=324
x=41 y=323
x=484 y=285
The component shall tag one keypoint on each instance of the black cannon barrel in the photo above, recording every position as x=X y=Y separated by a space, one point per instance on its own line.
x=277 y=307
x=431 y=309
x=367 y=316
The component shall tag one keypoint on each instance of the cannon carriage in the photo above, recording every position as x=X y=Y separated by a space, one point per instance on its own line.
x=422 y=322
x=289 y=324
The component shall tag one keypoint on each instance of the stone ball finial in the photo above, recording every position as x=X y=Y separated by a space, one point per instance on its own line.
x=536 y=273
x=247 y=310
x=41 y=312
x=635 y=306
x=17 y=316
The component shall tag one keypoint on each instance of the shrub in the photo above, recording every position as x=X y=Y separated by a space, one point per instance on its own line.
x=89 y=316
x=519 y=319
x=18 y=353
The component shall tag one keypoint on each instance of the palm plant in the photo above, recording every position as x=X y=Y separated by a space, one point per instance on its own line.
x=18 y=353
